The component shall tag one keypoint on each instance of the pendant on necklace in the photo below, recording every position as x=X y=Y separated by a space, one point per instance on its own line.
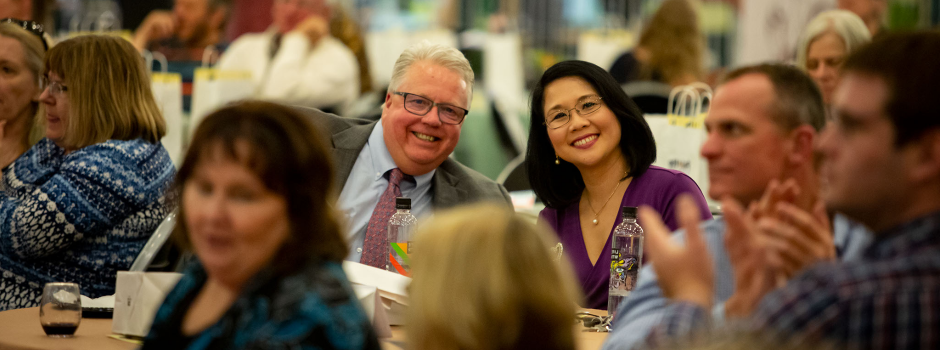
x=595 y=221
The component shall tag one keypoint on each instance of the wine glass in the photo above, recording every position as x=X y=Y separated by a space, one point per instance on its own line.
x=60 y=310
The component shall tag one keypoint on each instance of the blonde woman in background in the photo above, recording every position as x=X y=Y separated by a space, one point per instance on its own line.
x=21 y=52
x=485 y=278
x=81 y=203
x=670 y=51
x=827 y=40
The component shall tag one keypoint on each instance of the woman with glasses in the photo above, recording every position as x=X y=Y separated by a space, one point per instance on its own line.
x=21 y=51
x=590 y=153
x=80 y=204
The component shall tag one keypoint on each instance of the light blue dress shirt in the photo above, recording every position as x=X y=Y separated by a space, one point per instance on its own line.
x=365 y=185
x=646 y=305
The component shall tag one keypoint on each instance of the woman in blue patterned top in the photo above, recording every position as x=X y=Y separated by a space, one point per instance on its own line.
x=80 y=204
x=255 y=188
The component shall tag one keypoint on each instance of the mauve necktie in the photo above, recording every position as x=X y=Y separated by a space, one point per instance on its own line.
x=376 y=241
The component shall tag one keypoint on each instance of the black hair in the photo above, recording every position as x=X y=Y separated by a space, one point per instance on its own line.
x=907 y=62
x=561 y=184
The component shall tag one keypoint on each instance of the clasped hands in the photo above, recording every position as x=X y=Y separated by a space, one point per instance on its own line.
x=768 y=243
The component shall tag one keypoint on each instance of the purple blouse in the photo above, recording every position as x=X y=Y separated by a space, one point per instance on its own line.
x=657 y=188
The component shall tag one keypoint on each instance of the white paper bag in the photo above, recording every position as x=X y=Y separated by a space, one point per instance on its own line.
x=372 y=303
x=680 y=134
x=168 y=93
x=391 y=289
x=137 y=297
x=214 y=88
x=603 y=47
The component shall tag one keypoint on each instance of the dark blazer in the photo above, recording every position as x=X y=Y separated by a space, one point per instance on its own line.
x=453 y=183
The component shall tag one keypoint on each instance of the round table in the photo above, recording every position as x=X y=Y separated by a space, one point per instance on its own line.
x=20 y=330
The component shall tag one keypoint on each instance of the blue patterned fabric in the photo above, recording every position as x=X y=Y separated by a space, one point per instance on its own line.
x=311 y=309
x=78 y=217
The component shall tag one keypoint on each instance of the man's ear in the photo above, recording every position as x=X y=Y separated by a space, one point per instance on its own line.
x=926 y=156
x=802 y=144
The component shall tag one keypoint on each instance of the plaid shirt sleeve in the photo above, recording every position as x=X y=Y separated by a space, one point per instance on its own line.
x=681 y=320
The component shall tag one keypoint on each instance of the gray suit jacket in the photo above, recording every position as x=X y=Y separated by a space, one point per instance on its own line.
x=453 y=183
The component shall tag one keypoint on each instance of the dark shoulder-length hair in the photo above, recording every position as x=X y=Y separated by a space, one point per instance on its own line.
x=561 y=184
x=288 y=153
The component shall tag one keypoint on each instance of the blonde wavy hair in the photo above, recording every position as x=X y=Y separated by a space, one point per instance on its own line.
x=108 y=90
x=33 y=51
x=675 y=43
x=484 y=278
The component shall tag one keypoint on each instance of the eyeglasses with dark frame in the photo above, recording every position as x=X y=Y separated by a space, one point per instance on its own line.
x=420 y=105
x=31 y=27
x=557 y=118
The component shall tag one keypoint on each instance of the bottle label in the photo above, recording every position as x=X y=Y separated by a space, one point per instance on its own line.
x=623 y=271
x=400 y=257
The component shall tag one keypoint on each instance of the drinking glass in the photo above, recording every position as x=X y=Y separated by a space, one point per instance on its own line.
x=60 y=310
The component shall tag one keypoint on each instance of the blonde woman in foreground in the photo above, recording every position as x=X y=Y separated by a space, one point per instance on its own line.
x=485 y=278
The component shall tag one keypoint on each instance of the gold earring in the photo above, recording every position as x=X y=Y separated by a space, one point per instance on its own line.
x=556 y=160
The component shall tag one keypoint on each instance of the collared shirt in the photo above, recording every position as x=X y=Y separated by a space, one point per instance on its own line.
x=886 y=300
x=365 y=185
x=646 y=306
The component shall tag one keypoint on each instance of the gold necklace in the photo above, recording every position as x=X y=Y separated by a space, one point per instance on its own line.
x=608 y=197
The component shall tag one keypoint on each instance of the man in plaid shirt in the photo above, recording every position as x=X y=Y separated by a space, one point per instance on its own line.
x=882 y=168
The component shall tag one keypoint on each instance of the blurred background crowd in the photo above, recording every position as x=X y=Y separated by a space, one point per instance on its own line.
x=509 y=44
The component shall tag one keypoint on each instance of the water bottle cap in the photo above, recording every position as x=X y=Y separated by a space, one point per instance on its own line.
x=629 y=212
x=402 y=203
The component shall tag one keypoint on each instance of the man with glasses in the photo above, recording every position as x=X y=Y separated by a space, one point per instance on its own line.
x=406 y=153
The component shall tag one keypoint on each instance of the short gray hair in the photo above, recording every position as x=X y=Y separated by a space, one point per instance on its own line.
x=846 y=24
x=444 y=56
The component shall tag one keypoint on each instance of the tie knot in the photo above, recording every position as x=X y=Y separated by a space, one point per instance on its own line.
x=395 y=177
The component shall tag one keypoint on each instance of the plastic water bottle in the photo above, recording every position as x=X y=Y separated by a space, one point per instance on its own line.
x=401 y=228
x=626 y=256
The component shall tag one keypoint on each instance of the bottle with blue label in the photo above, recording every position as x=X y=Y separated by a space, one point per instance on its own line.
x=626 y=256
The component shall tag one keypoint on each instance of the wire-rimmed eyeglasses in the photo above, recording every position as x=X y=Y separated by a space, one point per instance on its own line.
x=31 y=27
x=558 y=117
x=56 y=88
x=420 y=105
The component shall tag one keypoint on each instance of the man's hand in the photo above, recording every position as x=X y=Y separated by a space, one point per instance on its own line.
x=685 y=273
x=775 y=193
x=753 y=277
x=314 y=28
x=797 y=239
x=158 y=25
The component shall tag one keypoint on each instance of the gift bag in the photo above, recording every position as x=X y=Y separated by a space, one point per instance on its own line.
x=137 y=296
x=391 y=290
x=214 y=88
x=168 y=93
x=680 y=135
x=371 y=301
x=603 y=47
